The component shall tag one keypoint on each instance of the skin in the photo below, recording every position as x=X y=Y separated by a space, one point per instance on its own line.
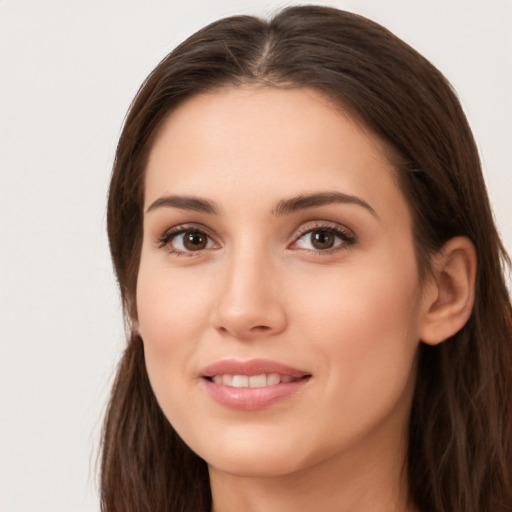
x=352 y=316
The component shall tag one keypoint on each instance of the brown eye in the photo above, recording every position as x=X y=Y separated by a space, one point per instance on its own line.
x=183 y=241
x=322 y=239
x=194 y=240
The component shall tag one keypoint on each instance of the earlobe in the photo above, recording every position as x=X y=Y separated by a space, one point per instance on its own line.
x=451 y=291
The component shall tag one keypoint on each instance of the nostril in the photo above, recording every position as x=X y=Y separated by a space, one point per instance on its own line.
x=260 y=328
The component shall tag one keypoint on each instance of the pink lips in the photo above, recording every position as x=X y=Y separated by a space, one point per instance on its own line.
x=252 y=398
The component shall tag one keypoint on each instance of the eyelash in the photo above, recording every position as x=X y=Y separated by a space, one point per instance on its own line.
x=345 y=237
x=165 y=240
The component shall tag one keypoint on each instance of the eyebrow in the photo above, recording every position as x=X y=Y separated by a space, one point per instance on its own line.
x=303 y=202
x=194 y=204
x=283 y=207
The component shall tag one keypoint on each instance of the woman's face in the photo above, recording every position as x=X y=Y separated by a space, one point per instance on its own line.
x=278 y=294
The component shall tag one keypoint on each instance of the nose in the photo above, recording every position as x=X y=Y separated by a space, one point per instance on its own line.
x=250 y=299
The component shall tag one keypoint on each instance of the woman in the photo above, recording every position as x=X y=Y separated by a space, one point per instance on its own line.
x=312 y=281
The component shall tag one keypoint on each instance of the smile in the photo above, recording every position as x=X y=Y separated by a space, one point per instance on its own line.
x=252 y=385
x=252 y=381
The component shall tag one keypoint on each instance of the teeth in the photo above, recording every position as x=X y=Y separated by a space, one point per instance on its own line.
x=273 y=379
x=253 y=381
x=257 y=381
x=227 y=380
x=240 y=381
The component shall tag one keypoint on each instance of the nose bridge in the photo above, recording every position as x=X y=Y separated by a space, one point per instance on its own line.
x=249 y=302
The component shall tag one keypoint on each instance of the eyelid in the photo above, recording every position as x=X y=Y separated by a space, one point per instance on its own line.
x=347 y=236
x=163 y=240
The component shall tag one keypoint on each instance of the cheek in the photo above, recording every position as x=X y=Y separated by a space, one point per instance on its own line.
x=366 y=325
x=170 y=305
x=171 y=316
x=373 y=294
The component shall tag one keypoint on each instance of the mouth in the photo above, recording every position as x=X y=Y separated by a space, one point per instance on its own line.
x=254 y=381
x=252 y=385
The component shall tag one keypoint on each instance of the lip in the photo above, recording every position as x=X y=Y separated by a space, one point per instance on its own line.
x=250 y=368
x=251 y=399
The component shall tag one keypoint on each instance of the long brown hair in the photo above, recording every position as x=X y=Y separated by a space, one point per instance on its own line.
x=460 y=440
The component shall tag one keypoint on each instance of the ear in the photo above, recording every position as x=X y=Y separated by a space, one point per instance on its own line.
x=450 y=293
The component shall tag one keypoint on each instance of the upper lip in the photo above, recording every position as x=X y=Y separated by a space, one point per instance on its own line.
x=251 y=367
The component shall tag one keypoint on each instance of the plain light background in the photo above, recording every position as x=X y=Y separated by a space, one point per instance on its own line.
x=68 y=71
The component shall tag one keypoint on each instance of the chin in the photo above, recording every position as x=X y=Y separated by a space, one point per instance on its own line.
x=254 y=466
x=255 y=459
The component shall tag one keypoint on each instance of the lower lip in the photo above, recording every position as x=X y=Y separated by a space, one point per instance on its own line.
x=252 y=399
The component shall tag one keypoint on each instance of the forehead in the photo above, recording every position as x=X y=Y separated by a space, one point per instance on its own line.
x=256 y=141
